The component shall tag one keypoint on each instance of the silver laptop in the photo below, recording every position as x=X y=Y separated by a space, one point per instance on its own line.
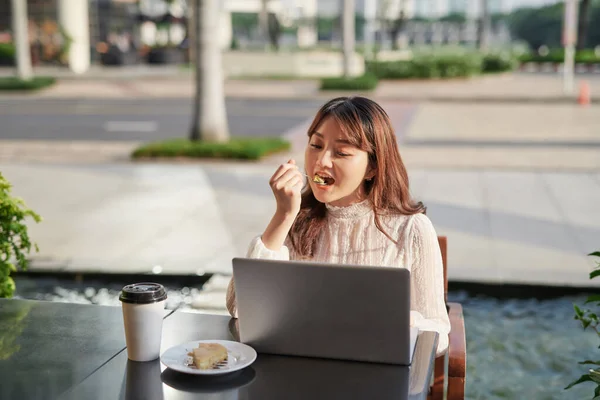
x=347 y=312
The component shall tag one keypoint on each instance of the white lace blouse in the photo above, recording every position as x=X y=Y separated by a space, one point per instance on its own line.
x=351 y=237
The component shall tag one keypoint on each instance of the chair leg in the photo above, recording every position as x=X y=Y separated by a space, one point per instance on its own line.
x=456 y=388
x=439 y=373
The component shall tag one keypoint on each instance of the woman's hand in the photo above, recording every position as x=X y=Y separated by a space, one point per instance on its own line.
x=287 y=183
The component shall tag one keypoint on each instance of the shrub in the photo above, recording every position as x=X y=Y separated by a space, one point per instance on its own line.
x=7 y=54
x=589 y=319
x=557 y=56
x=428 y=66
x=36 y=83
x=391 y=69
x=454 y=66
x=499 y=63
x=243 y=149
x=364 y=82
x=14 y=237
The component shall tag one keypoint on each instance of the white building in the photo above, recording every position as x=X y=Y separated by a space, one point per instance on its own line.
x=293 y=11
x=426 y=8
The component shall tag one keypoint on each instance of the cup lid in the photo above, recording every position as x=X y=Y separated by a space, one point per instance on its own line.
x=143 y=293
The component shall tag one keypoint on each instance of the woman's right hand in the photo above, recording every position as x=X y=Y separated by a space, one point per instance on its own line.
x=287 y=183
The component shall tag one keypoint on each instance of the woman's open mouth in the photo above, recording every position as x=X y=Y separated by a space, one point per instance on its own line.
x=323 y=180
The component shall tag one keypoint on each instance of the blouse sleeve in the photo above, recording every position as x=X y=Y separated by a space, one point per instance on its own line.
x=428 y=309
x=257 y=249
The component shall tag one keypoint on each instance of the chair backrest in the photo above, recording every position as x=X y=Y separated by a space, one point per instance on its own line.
x=443 y=241
x=439 y=373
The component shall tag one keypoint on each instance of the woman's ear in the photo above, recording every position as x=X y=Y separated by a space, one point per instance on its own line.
x=371 y=172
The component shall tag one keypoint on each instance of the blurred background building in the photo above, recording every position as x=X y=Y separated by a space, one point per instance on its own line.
x=124 y=32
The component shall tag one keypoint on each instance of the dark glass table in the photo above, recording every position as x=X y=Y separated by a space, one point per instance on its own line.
x=68 y=351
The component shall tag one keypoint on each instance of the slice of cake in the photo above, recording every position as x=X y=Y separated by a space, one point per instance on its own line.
x=208 y=355
x=318 y=180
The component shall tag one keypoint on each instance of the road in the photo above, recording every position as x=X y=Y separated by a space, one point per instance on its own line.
x=134 y=119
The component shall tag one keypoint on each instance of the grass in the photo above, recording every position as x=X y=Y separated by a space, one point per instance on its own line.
x=13 y=83
x=240 y=149
x=364 y=82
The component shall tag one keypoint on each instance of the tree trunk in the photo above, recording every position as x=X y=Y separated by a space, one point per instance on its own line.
x=483 y=34
x=274 y=31
x=191 y=26
x=398 y=25
x=348 y=35
x=21 y=39
x=263 y=23
x=209 y=115
x=583 y=24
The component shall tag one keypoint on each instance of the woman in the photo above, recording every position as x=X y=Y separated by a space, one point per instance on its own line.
x=356 y=209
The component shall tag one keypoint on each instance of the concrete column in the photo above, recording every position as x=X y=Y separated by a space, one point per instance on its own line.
x=370 y=14
x=225 y=28
x=348 y=40
x=307 y=33
x=74 y=19
x=21 y=39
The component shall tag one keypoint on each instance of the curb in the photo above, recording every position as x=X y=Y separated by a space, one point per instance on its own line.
x=124 y=278
x=502 y=290
x=325 y=96
x=495 y=290
x=476 y=99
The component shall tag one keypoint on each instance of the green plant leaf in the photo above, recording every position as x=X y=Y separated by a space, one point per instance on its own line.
x=578 y=310
x=582 y=378
x=589 y=362
x=595 y=375
x=595 y=273
x=594 y=297
x=595 y=254
x=14 y=238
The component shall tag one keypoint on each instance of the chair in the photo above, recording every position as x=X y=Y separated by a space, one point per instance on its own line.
x=457 y=349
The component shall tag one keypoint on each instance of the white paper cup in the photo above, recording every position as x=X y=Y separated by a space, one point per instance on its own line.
x=143 y=307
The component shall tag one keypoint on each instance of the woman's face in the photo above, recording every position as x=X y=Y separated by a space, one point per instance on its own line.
x=341 y=166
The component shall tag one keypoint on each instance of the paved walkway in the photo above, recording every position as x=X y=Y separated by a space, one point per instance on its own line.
x=503 y=226
x=174 y=82
x=516 y=188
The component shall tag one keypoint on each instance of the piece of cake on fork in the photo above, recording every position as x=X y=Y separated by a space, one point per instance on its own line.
x=208 y=355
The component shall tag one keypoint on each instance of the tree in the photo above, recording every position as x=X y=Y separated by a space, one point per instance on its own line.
x=543 y=25
x=21 y=39
x=538 y=26
x=209 y=121
x=583 y=23
x=263 y=22
x=593 y=38
x=274 y=31
x=348 y=34
x=398 y=25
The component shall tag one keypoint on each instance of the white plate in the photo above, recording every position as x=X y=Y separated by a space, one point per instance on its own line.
x=239 y=356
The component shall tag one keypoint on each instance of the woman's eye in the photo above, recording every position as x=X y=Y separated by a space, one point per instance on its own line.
x=342 y=154
x=315 y=146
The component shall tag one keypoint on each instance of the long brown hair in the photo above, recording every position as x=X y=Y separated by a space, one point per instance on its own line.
x=368 y=127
